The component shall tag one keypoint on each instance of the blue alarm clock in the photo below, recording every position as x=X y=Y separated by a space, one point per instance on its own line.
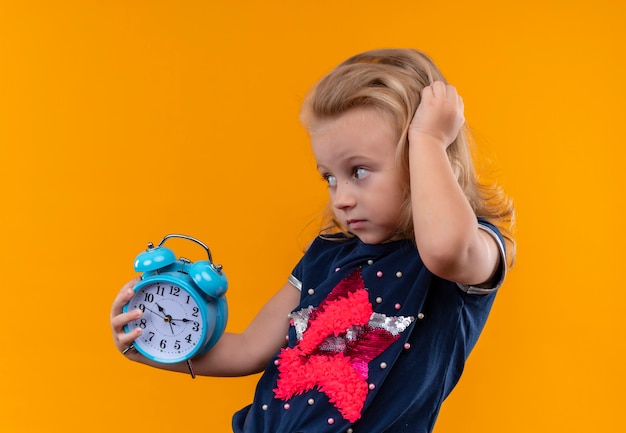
x=183 y=304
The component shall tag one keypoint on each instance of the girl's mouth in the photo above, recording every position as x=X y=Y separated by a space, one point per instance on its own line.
x=355 y=224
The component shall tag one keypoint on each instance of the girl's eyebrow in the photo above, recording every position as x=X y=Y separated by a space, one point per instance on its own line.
x=360 y=160
x=352 y=161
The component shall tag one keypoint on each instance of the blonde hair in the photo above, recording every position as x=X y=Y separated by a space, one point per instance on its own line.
x=391 y=81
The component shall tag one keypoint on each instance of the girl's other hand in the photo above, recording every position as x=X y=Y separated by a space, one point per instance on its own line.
x=118 y=319
x=439 y=114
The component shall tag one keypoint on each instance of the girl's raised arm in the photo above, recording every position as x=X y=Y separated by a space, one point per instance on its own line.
x=446 y=232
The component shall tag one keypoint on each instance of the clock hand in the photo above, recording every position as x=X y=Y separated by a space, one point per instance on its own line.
x=167 y=318
x=154 y=312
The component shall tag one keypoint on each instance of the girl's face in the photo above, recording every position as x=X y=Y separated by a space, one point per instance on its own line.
x=355 y=154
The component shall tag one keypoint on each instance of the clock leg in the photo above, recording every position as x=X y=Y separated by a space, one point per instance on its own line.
x=193 y=375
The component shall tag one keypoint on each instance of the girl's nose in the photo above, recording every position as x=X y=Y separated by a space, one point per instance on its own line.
x=343 y=196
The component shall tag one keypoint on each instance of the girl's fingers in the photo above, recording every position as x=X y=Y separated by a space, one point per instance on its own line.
x=118 y=322
x=123 y=297
x=119 y=319
x=125 y=339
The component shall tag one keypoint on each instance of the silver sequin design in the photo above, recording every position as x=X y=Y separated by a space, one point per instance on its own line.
x=395 y=325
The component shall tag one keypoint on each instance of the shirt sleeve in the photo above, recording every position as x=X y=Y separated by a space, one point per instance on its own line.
x=498 y=278
x=295 y=282
x=296 y=277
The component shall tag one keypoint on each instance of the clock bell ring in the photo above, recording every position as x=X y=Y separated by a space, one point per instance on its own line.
x=183 y=304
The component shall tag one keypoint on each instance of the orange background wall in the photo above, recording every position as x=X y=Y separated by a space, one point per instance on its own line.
x=121 y=121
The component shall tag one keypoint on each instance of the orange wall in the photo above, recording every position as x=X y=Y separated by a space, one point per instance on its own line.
x=123 y=121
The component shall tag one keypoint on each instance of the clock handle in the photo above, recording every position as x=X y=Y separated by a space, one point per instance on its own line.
x=189 y=238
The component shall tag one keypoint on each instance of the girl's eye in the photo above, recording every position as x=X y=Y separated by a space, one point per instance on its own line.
x=330 y=179
x=360 y=172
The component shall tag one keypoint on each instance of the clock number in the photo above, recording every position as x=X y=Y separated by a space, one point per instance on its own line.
x=174 y=291
x=196 y=326
x=143 y=324
x=196 y=310
x=160 y=290
x=163 y=344
x=188 y=339
x=188 y=298
x=177 y=345
x=151 y=335
x=142 y=307
x=149 y=297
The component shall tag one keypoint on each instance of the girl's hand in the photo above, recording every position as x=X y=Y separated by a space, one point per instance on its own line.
x=439 y=114
x=121 y=339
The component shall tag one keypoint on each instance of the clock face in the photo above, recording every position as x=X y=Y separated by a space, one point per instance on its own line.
x=171 y=324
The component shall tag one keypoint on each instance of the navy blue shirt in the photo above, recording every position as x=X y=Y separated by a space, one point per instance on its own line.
x=376 y=344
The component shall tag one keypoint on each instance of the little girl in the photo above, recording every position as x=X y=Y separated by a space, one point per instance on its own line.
x=386 y=304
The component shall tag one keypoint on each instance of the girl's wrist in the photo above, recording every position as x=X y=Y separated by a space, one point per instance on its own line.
x=423 y=139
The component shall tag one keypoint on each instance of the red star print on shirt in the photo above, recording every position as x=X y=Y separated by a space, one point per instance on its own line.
x=336 y=342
